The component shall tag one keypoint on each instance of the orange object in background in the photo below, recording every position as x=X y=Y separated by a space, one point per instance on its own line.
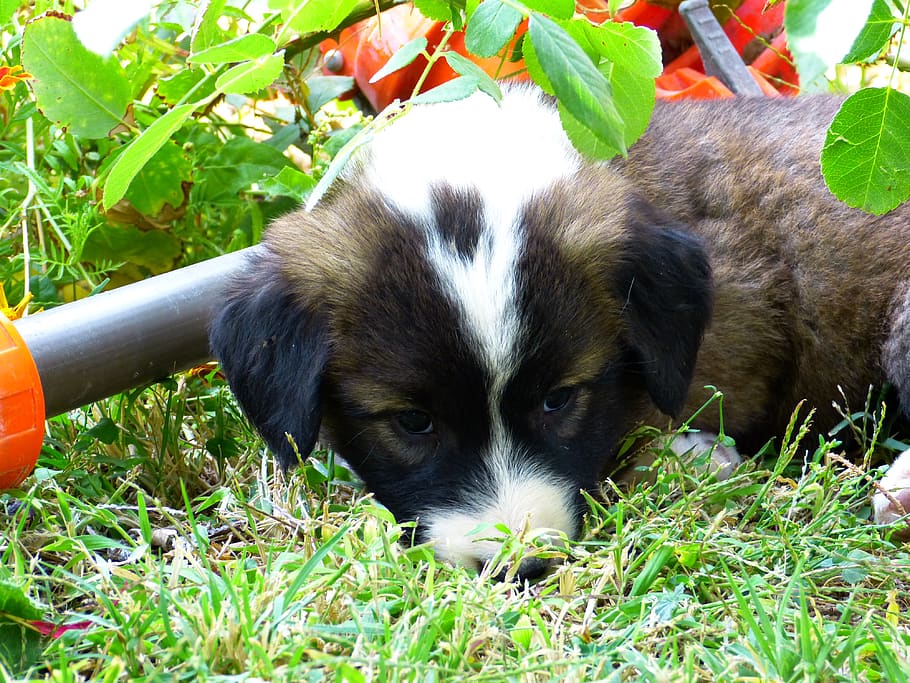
x=362 y=49
x=365 y=47
x=21 y=408
x=686 y=83
x=775 y=63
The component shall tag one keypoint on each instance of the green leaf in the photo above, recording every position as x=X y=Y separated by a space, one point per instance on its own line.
x=222 y=448
x=7 y=7
x=634 y=62
x=406 y=54
x=290 y=182
x=437 y=10
x=491 y=26
x=249 y=46
x=206 y=31
x=821 y=32
x=174 y=89
x=251 y=76
x=630 y=48
x=140 y=150
x=579 y=86
x=20 y=646
x=156 y=250
x=140 y=69
x=15 y=603
x=658 y=559
x=161 y=181
x=456 y=89
x=311 y=16
x=324 y=89
x=287 y=135
x=634 y=99
x=43 y=288
x=239 y=163
x=77 y=89
x=858 y=572
x=465 y=67
x=535 y=70
x=558 y=9
x=883 y=23
x=105 y=431
x=866 y=157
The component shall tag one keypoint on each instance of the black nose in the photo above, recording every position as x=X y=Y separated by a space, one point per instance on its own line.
x=530 y=568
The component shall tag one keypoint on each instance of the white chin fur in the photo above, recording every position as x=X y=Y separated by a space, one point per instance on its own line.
x=470 y=538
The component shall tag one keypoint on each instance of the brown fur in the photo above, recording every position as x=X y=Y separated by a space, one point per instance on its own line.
x=805 y=287
x=713 y=255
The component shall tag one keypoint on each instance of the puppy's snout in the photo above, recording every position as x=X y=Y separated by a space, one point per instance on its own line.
x=527 y=503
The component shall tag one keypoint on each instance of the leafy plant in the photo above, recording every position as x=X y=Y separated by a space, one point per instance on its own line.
x=155 y=128
x=155 y=539
x=866 y=158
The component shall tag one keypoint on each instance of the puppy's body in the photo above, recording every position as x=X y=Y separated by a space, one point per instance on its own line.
x=807 y=291
x=475 y=323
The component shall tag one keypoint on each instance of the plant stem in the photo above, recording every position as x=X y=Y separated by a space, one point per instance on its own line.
x=432 y=59
x=900 y=43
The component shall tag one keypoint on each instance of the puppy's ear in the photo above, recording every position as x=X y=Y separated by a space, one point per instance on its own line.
x=274 y=354
x=664 y=281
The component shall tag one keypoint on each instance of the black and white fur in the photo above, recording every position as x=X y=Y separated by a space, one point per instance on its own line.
x=474 y=315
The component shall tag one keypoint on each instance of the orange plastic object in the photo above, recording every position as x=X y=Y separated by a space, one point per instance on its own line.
x=643 y=14
x=766 y=86
x=776 y=64
x=21 y=408
x=688 y=84
x=366 y=46
x=750 y=20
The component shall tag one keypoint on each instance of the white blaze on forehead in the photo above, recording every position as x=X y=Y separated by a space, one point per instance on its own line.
x=505 y=153
x=484 y=289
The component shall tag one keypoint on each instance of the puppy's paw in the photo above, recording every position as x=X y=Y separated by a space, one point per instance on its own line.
x=724 y=459
x=892 y=499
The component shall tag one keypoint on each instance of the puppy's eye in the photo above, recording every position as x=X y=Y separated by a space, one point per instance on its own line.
x=415 y=422
x=558 y=399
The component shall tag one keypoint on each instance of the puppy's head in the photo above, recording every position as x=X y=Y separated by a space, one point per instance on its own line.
x=473 y=328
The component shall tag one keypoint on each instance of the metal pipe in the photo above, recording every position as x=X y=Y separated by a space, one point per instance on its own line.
x=132 y=335
x=718 y=55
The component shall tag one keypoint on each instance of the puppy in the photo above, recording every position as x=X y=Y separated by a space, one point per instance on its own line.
x=474 y=315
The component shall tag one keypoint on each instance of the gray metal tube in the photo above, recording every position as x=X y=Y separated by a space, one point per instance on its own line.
x=717 y=52
x=139 y=333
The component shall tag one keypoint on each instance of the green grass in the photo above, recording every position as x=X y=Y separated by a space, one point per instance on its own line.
x=157 y=526
x=158 y=542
